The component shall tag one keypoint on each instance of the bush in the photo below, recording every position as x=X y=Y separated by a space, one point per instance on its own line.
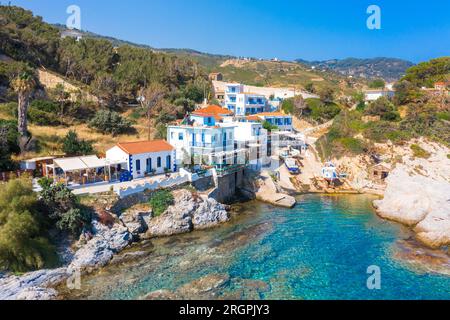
x=418 y=152
x=63 y=207
x=109 y=122
x=353 y=145
x=73 y=146
x=160 y=201
x=23 y=242
x=384 y=108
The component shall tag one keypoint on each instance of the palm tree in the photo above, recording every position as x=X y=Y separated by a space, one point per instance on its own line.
x=23 y=85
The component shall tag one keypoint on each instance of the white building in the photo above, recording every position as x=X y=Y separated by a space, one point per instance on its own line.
x=281 y=120
x=200 y=140
x=252 y=137
x=372 y=95
x=243 y=103
x=143 y=158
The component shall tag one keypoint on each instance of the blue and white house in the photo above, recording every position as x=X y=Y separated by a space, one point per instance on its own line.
x=144 y=157
x=244 y=103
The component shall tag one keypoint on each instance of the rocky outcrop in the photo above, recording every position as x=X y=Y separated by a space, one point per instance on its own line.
x=101 y=248
x=96 y=253
x=33 y=285
x=418 y=195
x=209 y=214
x=188 y=213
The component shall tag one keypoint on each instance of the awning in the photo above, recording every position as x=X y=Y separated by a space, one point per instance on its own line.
x=80 y=163
x=70 y=164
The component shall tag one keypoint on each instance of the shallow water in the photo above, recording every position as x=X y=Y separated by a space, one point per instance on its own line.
x=321 y=249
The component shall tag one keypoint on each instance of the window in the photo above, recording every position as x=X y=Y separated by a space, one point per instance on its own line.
x=138 y=165
x=159 y=162
x=171 y=135
x=180 y=136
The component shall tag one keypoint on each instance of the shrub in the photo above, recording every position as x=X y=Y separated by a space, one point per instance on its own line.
x=73 y=146
x=63 y=207
x=23 y=244
x=160 y=201
x=109 y=122
x=419 y=152
x=384 y=108
x=353 y=145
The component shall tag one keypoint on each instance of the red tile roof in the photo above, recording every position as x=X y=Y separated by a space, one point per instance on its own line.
x=253 y=118
x=213 y=110
x=140 y=147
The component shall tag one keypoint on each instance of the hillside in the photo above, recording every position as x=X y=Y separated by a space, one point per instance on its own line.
x=389 y=69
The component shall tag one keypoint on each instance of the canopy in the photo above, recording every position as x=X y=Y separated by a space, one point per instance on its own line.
x=79 y=163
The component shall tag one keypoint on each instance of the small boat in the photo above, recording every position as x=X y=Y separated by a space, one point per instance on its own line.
x=292 y=166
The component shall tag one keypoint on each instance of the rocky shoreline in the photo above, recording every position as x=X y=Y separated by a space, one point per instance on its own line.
x=418 y=196
x=190 y=212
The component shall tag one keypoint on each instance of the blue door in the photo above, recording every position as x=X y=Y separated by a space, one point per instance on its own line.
x=149 y=165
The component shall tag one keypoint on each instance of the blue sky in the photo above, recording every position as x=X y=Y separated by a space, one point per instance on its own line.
x=286 y=29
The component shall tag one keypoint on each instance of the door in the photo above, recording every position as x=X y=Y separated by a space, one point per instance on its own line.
x=149 y=165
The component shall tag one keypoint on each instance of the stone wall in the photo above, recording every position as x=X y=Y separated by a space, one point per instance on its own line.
x=227 y=186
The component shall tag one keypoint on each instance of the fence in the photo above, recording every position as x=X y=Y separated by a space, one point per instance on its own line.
x=124 y=191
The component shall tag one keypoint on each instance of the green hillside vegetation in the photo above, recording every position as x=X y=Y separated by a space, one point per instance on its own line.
x=425 y=74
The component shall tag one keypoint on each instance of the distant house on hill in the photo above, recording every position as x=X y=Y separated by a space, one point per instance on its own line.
x=216 y=76
x=374 y=94
x=76 y=34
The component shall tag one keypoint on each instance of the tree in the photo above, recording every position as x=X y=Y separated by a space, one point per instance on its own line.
x=109 y=122
x=384 y=108
x=310 y=87
x=150 y=97
x=72 y=146
x=23 y=85
x=105 y=88
x=269 y=127
x=377 y=84
x=326 y=94
x=8 y=144
x=23 y=244
x=62 y=96
x=406 y=92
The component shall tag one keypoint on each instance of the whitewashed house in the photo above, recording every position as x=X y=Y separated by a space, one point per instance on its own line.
x=281 y=120
x=206 y=137
x=144 y=157
x=253 y=137
x=244 y=103
x=372 y=95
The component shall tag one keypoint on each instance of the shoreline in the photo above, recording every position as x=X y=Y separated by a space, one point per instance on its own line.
x=46 y=289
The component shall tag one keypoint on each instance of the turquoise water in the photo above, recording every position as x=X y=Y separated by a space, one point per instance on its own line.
x=321 y=249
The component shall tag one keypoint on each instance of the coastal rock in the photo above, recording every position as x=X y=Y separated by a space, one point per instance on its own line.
x=134 y=221
x=36 y=293
x=210 y=213
x=204 y=287
x=32 y=285
x=420 y=199
x=161 y=295
x=100 y=249
x=188 y=212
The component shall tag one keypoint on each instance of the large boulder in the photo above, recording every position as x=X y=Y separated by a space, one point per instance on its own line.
x=189 y=212
x=99 y=251
x=32 y=285
x=135 y=221
x=209 y=213
x=420 y=202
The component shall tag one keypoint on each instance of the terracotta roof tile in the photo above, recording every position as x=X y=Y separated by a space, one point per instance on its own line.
x=213 y=110
x=140 y=147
